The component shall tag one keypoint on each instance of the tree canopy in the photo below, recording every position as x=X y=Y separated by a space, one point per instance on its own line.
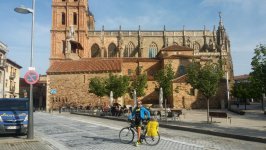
x=139 y=84
x=97 y=86
x=118 y=84
x=258 y=74
x=205 y=78
x=242 y=90
x=164 y=77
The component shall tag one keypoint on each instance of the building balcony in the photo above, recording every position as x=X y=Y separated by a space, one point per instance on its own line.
x=12 y=76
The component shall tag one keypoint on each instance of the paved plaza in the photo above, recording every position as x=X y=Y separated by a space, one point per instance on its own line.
x=65 y=131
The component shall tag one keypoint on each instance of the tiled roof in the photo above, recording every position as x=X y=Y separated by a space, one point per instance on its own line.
x=86 y=65
x=241 y=77
x=181 y=79
x=176 y=47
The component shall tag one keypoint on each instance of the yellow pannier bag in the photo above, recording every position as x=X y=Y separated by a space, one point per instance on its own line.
x=152 y=128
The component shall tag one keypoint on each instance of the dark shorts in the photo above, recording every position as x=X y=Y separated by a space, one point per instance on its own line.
x=138 y=122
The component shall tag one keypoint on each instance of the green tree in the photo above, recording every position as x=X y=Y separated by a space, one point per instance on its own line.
x=140 y=84
x=97 y=86
x=258 y=74
x=205 y=78
x=118 y=84
x=164 y=78
x=242 y=90
x=255 y=88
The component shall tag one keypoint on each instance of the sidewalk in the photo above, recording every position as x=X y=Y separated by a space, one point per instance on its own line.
x=249 y=127
x=25 y=144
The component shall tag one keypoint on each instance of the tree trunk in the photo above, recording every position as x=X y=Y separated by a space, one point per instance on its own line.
x=100 y=100
x=208 y=110
x=165 y=109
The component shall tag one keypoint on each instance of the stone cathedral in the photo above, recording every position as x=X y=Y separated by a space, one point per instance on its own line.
x=79 y=53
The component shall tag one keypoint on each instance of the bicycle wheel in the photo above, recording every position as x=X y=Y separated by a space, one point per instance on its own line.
x=126 y=135
x=152 y=140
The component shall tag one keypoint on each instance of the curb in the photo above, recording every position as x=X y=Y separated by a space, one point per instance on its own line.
x=227 y=135
x=8 y=141
x=177 y=127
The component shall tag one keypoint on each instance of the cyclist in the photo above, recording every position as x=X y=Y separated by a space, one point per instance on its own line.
x=139 y=114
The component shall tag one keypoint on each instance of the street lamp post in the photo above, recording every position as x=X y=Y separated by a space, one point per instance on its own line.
x=24 y=10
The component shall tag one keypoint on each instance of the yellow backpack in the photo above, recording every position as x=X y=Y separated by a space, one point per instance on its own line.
x=152 y=128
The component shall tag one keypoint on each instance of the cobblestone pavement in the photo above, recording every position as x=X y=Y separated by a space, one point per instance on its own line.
x=73 y=132
x=78 y=134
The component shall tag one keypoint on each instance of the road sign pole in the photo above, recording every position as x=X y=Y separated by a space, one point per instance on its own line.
x=31 y=77
x=30 y=124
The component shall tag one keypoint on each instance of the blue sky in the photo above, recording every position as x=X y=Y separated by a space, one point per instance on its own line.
x=244 y=21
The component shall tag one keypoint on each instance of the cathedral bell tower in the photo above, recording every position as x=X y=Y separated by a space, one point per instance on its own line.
x=223 y=46
x=71 y=19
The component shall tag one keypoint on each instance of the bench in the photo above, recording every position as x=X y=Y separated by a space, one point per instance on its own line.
x=219 y=115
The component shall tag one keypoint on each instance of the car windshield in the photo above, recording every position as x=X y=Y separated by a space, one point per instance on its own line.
x=13 y=105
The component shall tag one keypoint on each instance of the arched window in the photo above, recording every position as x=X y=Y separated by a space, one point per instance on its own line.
x=112 y=52
x=153 y=50
x=95 y=51
x=75 y=18
x=63 y=18
x=129 y=49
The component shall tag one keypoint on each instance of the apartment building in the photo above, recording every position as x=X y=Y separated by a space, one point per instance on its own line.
x=9 y=75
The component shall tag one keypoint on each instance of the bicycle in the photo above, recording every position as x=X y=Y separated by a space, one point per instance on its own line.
x=127 y=134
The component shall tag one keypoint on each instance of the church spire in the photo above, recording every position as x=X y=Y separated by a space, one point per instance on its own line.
x=221 y=34
x=221 y=20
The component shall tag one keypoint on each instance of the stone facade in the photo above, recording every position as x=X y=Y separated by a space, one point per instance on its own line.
x=184 y=96
x=73 y=38
x=72 y=90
